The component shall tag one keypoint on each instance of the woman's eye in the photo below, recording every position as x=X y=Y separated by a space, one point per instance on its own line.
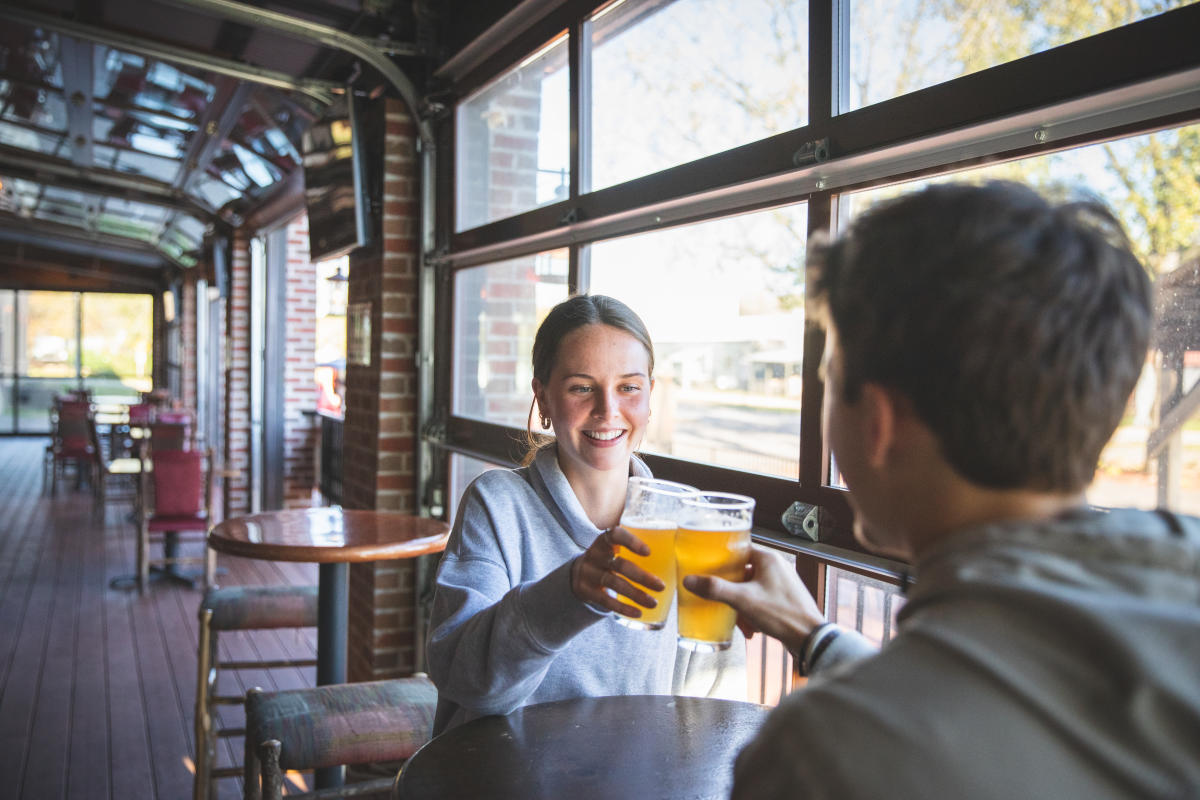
x=630 y=388
x=579 y=389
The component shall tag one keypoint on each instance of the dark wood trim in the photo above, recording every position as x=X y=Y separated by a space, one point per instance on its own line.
x=1152 y=48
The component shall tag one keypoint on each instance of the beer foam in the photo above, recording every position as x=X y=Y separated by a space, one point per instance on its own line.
x=648 y=524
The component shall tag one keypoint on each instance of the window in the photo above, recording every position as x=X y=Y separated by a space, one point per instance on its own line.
x=1153 y=458
x=512 y=140
x=670 y=86
x=729 y=345
x=901 y=47
x=712 y=138
x=497 y=310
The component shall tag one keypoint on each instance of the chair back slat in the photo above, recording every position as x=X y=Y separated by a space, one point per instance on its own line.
x=169 y=436
x=179 y=483
x=141 y=414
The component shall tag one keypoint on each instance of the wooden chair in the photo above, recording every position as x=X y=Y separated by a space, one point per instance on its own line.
x=342 y=724
x=121 y=472
x=71 y=443
x=238 y=608
x=170 y=436
x=176 y=499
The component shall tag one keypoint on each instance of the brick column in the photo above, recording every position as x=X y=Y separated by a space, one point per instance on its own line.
x=187 y=342
x=381 y=407
x=237 y=379
x=300 y=389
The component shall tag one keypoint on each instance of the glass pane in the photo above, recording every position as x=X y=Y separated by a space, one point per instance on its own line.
x=463 y=470
x=897 y=48
x=146 y=164
x=213 y=191
x=8 y=331
x=862 y=604
x=118 y=330
x=8 y=422
x=18 y=136
x=497 y=309
x=35 y=398
x=1149 y=181
x=512 y=141
x=728 y=346
x=671 y=84
x=49 y=341
x=49 y=115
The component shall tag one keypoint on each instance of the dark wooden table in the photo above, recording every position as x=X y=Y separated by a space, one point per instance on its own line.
x=648 y=747
x=334 y=538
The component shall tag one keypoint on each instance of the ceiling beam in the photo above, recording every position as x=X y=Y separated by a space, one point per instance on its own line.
x=76 y=58
x=70 y=239
x=51 y=276
x=210 y=129
x=320 y=90
x=44 y=169
x=375 y=53
x=26 y=265
x=217 y=131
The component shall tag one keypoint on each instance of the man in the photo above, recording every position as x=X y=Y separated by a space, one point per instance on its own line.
x=982 y=345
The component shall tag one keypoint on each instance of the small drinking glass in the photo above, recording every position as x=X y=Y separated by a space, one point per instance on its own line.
x=713 y=539
x=652 y=508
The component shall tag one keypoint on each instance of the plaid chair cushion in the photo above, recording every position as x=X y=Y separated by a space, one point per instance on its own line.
x=242 y=608
x=349 y=723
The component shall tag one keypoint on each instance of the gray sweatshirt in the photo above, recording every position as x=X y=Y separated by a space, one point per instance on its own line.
x=1058 y=659
x=508 y=631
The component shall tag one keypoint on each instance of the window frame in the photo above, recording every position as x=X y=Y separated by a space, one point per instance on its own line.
x=1141 y=77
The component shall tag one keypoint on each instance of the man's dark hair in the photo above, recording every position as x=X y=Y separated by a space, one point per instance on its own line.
x=1016 y=326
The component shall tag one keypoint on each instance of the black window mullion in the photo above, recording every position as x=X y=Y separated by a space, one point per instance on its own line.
x=579 y=115
x=814 y=458
x=822 y=55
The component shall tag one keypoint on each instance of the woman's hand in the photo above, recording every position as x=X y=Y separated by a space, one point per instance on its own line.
x=599 y=573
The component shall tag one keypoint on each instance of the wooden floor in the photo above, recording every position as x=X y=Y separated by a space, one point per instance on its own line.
x=97 y=684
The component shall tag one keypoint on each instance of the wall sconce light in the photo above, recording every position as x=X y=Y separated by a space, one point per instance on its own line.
x=339 y=284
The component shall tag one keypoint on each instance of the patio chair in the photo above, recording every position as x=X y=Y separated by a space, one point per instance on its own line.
x=239 y=608
x=176 y=499
x=121 y=472
x=170 y=436
x=71 y=442
x=328 y=726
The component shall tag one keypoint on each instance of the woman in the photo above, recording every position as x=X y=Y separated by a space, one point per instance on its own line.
x=526 y=587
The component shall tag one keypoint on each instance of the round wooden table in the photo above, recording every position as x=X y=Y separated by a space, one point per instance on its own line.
x=333 y=538
x=634 y=746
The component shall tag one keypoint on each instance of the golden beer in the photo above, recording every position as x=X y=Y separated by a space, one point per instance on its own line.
x=723 y=551
x=659 y=536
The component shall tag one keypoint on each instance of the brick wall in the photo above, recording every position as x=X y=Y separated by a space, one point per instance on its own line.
x=187 y=333
x=381 y=409
x=237 y=379
x=300 y=390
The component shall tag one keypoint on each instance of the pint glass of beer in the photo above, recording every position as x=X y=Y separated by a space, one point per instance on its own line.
x=651 y=513
x=713 y=539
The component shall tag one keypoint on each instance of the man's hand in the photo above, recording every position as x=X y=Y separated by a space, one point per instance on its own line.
x=772 y=600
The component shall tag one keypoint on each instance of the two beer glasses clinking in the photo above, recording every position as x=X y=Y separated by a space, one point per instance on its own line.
x=689 y=532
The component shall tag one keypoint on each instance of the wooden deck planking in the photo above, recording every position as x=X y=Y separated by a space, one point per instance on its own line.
x=97 y=685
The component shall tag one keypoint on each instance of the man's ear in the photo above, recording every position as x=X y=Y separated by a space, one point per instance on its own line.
x=879 y=422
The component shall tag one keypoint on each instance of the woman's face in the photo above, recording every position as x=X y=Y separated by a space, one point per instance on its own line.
x=598 y=399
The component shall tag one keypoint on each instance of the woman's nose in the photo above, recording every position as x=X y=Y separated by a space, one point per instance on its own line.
x=605 y=402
